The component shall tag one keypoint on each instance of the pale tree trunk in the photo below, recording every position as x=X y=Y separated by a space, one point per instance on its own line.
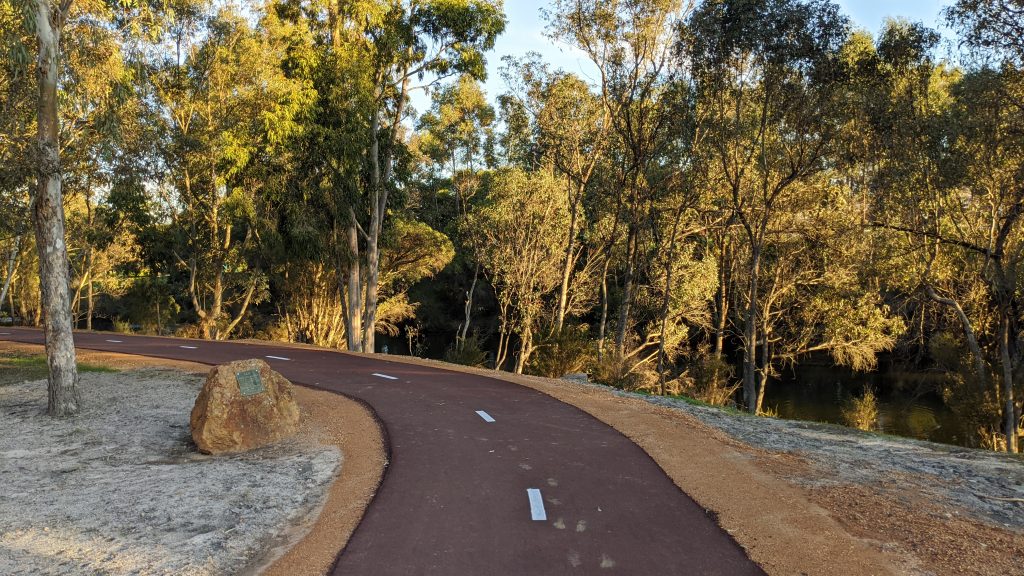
x=372 y=279
x=503 y=336
x=48 y=219
x=603 y=326
x=1009 y=407
x=568 y=263
x=381 y=173
x=762 y=374
x=750 y=334
x=469 y=309
x=627 y=292
x=354 y=306
x=721 y=303
x=12 y=263
x=525 y=349
x=965 y=323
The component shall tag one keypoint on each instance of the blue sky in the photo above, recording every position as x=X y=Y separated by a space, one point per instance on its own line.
x=525 y=33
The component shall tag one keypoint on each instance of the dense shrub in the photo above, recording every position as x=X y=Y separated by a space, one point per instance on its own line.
x=468 y=352
x=862 y=413
x=710 y=380
x=561 y=353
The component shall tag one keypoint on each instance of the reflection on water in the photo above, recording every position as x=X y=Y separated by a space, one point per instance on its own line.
x=907 y=403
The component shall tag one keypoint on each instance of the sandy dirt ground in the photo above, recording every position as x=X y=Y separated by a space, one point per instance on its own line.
x=273 y=511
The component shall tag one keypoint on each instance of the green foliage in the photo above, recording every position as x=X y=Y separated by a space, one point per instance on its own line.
x=748 y=175
x=559 y=353
x=619 y=371
x=862 y=413
x=468 y=352
x=709 y=379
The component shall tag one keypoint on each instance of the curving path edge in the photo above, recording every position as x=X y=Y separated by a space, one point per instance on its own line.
x=485 y=477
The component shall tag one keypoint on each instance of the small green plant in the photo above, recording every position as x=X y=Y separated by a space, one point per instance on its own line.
x=710 y=380
x=468 y=352
x=862 y=413
x=561 y=353
x=17 y=368
x=123 y=327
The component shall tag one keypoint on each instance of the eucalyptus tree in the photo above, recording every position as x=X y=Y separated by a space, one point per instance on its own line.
x=519 y=226
x=226 y=109
x=994 y=27
x=457 y=134
x=406 y=42
x=991 y=25
x=766 y=73
x=942 y=186
x=35 y=28
x=630 y=44
x=17 y=92
x=567 y=127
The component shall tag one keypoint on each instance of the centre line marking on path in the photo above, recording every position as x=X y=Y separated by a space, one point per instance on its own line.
x=536 y=505
x=5 y=333
x=189 y=347
x=484 y=415
x=379 y=375
x=278 y=358
x=114 y=341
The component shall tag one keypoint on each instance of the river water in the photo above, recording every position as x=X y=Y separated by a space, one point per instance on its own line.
x=907 y=402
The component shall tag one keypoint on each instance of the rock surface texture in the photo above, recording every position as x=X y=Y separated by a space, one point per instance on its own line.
x=243 y=405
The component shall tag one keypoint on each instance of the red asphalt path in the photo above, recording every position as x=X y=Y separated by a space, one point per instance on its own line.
x=454 y=499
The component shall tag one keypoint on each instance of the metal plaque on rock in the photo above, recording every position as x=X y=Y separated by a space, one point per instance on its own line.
x=249 y=383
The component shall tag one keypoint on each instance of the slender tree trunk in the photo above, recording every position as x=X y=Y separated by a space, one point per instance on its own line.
x=568 y=263
x=1009 y=407
x=627 y=292
x=468 y=309
x=762 y=374
x=48 y=219
x=525 y=348
x=89 y=261
x=750 y=334
x=372 y=280
x=965 y=323
x=90 y=302
x=12 y=262
x=603 y=327
x=503 y=342
x=666 y=301
x=354 y=307
x=662 y=356
x=721 y=303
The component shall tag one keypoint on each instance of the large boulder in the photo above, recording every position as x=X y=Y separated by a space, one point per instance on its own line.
x=243 y=405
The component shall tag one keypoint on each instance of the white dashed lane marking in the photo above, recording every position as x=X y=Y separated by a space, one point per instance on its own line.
x=379 y=375
x=189 y=347
x=278 y=358
x=536 y=505
x=115 y=341
x=484 y=415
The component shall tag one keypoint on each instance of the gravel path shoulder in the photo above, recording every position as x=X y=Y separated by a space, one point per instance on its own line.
x=978 y=482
